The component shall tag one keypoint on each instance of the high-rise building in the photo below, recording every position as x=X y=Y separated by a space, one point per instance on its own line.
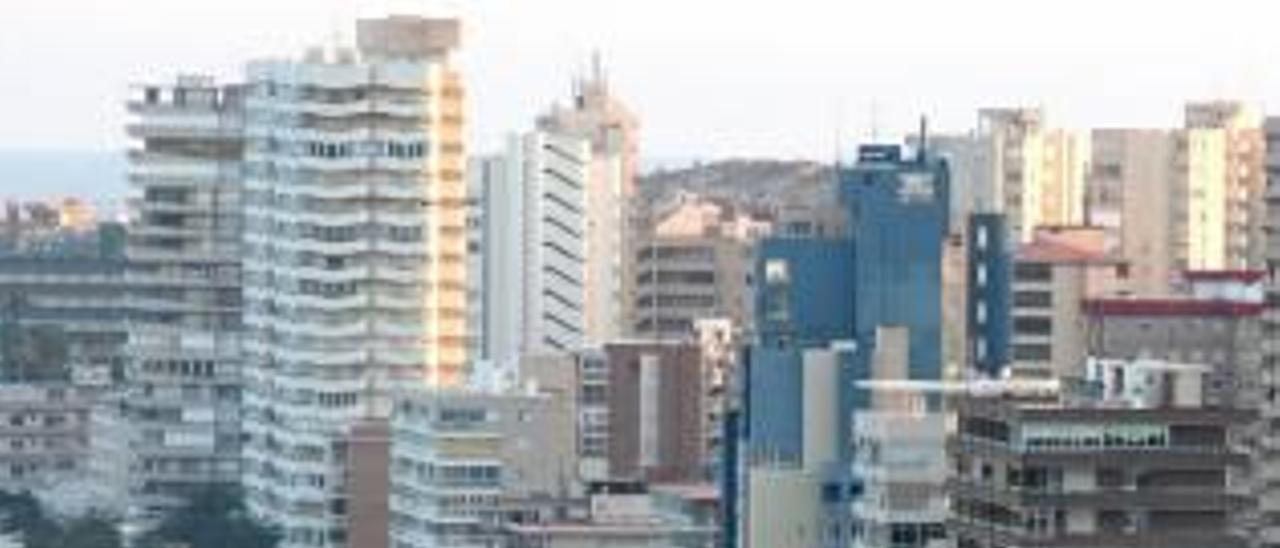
x=1220 y=188
x=354 y=258
x=1132 y=197
x=1269 y=378
x=599 y=116
x=823 y=304
x=1037 y=172
x=183 y=380
x=1177 y=200
x=533 y=243
x=987 y=294
x=692 y=262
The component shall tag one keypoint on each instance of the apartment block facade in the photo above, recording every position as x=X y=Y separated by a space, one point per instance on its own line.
x=595 y=113
x=466 y=463
x=533 y=243
x=181 y=401
x=1054 y=472
x=693 y=261
x=355 y=256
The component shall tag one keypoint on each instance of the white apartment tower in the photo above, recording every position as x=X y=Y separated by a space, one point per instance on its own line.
x=535 y=246
x=355 y=257
x=598 y=116
x=180 y=406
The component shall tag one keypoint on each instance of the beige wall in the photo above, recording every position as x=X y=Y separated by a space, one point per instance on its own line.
x=785 y=510
x=1132 y=198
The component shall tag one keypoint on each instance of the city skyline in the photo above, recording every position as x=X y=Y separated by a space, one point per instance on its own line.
x=710 y=75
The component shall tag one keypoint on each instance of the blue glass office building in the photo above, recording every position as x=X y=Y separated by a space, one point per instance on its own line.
x=883 y=268
x=990 y=278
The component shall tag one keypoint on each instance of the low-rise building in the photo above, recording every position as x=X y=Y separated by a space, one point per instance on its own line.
x=44 y=434
x=638 y=518
x=465 y=462
x=73 y=292
x=1052 y=276
x=1217 y=323
x=655 y=395
x=1101 y=468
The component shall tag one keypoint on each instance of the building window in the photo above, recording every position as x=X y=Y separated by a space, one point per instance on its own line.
x=1033 y=326
x=1033 y=299
x=1032 y=352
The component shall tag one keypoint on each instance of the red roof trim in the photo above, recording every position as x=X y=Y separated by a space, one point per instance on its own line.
x=1171 y=307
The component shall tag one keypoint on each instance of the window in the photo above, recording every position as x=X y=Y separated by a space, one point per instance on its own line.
x=1033 y=299
x=777 y=271
x=1033 y=326
x=1032 y=352
x=1034 y=272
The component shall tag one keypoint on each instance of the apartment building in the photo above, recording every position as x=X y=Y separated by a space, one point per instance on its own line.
x=1103 y=470
x=1052 y=276
x=466 y=463
x=1132 y=195
x=73 y=295
x=183 y=380
x=627 y=516
x=44 y=440
x=1220 y=159
x=1216 y=324
x=595 y=113
x=1036 y=173
x=1269 y=381
x=656 y=402
x=533 y=243
x=355 y=257
x=693 y=261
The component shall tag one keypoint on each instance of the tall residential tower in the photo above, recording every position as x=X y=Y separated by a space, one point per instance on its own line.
x=181 y=400
x=598 y=116
x=355 y=257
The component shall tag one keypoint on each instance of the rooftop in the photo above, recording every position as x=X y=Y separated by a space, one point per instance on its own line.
x=1171 y=307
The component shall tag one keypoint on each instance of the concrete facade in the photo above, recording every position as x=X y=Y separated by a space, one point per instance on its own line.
x=183 y=380
x=599 y=116
x=534 y=244
x=1050 y=281
x=693 y=261
x=1270 y=334
x=1132 y=196
x=355 y=258
x=656 y=400
x=1055 y=473
x=464 y=461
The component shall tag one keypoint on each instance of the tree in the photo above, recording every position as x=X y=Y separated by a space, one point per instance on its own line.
x=213 y=518
x=92 y=531
x=24 y=515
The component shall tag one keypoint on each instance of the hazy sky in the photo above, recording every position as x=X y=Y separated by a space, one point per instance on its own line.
x=708 y=77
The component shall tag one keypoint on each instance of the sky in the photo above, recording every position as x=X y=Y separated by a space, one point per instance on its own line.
x=709 y=78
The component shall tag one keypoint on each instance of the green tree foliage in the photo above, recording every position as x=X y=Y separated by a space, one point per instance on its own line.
x=213 y=518
x=24 y=516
